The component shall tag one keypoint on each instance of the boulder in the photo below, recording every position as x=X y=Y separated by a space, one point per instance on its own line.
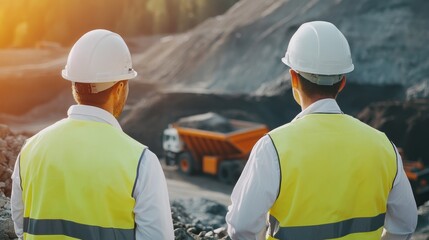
x=4 y=131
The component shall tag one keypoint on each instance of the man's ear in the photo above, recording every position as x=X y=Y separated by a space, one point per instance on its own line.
x=342 y=84
x=119 y=87
x=294 y=78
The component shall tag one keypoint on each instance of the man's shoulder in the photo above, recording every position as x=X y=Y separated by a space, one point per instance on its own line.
x=285 y=125
x=133 y=141
x=47 y=129
x=365 y=126
x=339 y=119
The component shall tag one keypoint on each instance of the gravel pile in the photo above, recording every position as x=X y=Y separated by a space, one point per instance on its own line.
x=199 y=218
x=209 y=121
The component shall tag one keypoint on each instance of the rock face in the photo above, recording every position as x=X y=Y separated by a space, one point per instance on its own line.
x=405 y=123
x=10 y=145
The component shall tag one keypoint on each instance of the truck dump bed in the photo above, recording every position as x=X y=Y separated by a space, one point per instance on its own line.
x=234 y=144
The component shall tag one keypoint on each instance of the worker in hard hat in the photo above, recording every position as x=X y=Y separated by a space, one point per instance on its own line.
x=324 y=175
x=83 y=177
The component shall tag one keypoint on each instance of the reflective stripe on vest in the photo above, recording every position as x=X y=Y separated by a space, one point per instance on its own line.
x=329 y=230
x=336 y=175
x=77 y=180
x=75 y=230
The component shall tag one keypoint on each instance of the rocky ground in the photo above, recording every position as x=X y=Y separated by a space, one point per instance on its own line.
x=199 y=218
x=6 y=224
x=10 y=145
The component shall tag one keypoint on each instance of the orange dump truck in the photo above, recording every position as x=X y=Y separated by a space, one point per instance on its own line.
x=222 y=153
x=418 y=175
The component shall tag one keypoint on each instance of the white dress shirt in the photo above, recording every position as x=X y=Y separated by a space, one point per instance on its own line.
x=152 y=209
x=258 y=187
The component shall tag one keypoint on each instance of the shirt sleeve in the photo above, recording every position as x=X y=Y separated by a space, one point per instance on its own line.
x=17 y=206
x=152 y=209
x=401 y=215
x=254 y=193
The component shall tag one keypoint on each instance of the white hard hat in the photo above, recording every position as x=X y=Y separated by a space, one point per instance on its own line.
x=319 y=48
x=100 y=57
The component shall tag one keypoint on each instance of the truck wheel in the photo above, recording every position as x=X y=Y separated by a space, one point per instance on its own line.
x=186 y=163
x=230 y=171
x=237 y=169
x=226 y=172
x=169 y=161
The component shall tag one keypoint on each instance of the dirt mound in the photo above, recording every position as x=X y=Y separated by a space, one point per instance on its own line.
x=241 y=50
x=405 y=123
x=29 y=77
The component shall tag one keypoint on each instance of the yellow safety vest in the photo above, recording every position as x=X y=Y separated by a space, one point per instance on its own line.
x=336 y=175
x=78 y=180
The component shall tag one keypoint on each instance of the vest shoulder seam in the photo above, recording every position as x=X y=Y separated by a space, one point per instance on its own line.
x=280 y=168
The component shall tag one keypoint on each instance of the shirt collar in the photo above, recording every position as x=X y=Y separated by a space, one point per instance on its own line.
x=91 y=113
x=327 y=105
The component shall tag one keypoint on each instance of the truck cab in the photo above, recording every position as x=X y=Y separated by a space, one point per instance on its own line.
x=172 y=144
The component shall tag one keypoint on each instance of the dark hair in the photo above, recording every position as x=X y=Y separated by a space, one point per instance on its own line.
x=312 y=89
x=83 y=96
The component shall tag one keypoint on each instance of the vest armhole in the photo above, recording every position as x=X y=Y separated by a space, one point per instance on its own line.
x=280 y=167
x=20 y=169
x=19 y=160
x=396 y=162
x=138 y=170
